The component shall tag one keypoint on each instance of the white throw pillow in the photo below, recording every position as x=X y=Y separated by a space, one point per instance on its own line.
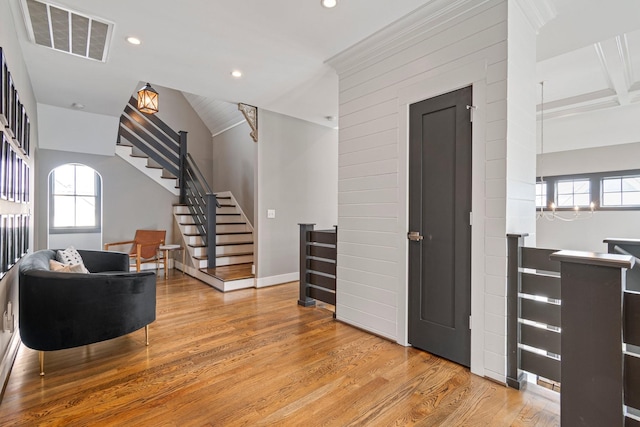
x=70 y=256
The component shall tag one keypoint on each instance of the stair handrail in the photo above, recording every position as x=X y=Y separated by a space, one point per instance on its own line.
x=153 y=137
x=202 y=204
x=199 y=175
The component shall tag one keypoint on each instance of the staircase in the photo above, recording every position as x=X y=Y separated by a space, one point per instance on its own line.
x=153 y=148
x=234 y=246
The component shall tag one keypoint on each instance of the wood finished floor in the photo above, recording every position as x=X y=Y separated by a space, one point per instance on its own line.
x=230 y=272
x=254 y=357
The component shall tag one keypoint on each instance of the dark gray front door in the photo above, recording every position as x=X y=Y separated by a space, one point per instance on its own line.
x=439 y=216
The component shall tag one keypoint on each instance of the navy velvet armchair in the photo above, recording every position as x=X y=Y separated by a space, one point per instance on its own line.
x=59 y=310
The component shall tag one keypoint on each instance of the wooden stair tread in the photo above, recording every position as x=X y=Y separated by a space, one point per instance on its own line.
x=230 y=255
x=234 y=233
x=230 y=272
x=227 y=206
x=205 y=257
x=228 y=214
x=234 y=243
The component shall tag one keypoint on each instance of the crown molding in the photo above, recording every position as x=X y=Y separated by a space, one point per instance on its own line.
x=538 y=12
x=426 y=18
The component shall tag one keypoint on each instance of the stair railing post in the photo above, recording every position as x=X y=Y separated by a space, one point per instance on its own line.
x=183 y=167
x=335 y=308
x=592 y=288
x=304 y=299
x=211 y=230
x=515 y=242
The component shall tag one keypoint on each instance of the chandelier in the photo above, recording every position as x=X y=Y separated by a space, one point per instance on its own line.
x=551 y=213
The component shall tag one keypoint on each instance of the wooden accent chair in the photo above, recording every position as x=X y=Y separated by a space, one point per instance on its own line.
x=144 y=246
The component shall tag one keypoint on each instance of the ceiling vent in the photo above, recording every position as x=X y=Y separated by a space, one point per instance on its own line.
x=67 y=31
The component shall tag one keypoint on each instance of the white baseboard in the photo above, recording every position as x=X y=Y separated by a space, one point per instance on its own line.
x=263 y=282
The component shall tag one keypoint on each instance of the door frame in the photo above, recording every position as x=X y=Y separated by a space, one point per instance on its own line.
x=444 y=81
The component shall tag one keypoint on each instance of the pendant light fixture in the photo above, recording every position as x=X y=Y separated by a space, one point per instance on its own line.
x=553 y=214
x=148 y=99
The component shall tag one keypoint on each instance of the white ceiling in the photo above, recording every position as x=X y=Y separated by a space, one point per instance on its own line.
x=192 y=46
x=281 y=47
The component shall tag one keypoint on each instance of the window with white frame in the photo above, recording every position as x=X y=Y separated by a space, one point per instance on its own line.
x=541 y=194
x=621 y=191
x=74 y=199
x=573 y=192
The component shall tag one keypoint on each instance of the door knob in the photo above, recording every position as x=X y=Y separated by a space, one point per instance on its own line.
x=415 y=236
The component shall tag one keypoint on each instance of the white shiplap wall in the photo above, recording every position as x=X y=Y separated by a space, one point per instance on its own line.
x=443 y=46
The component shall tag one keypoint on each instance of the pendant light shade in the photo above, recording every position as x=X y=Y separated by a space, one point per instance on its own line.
x=148 y=99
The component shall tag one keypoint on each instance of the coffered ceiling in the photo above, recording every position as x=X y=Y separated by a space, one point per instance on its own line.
x=601 y=75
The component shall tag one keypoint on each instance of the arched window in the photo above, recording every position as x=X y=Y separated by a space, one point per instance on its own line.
x=74 y=200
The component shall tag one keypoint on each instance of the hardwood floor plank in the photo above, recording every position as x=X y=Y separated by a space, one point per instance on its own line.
x=254 y=357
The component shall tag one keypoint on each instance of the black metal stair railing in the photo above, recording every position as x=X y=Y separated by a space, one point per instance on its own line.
x=168 y=149
x=153 y=137
x=202 y=203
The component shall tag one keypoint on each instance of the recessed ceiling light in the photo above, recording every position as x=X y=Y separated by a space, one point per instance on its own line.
x=329 y=3
x=134 y=40
x=236 y=73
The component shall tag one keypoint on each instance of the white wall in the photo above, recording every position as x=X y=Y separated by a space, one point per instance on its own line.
x=434 y=50
x=588 y=234
x=9 y=341
x=297 y=175
x=65 y=129
x=77 y=240
x=234 y=163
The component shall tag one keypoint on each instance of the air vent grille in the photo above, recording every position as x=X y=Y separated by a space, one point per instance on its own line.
x=67 y=31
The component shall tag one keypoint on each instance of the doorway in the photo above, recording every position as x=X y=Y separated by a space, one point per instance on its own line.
x=440 y=167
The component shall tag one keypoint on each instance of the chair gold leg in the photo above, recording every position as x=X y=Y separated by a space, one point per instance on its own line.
x=41 y=358
x=166 y=271
x=146 y=335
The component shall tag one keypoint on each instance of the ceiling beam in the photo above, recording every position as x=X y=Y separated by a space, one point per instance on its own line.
x=614 y=61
